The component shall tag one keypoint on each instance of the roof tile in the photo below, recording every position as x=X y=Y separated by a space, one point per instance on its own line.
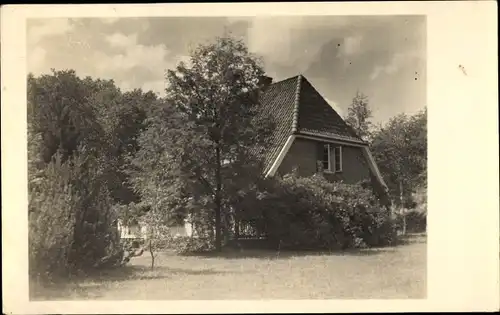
x=318 y=117
x=297 y=107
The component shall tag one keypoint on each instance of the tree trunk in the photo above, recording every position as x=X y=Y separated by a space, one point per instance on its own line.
x=236 y=227
x=151 y=252
x=227 y=226
x=402 y=206
x=218 y=201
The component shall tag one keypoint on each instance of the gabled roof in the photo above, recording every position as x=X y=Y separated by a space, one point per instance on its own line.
x=298 y=109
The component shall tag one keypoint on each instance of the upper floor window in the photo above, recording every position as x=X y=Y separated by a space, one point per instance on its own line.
x=332 y=158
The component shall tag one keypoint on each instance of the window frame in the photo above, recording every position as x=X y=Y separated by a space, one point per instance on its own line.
x=327 y=147
x=338 y=149
x=332 y=158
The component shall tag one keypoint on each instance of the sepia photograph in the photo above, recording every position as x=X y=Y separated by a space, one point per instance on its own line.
x=262 y=158
x=227 y=157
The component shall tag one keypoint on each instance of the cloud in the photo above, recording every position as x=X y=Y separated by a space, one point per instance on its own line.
x=36 y=60
x=100 y=51
x=276 y=43
x=157 y=86
x=396 y=63
x=288 y=41
x=46 y=28
x=335 y=106
x=121 y=40
x=133 y=54
x=338 y=54
x=352 y=45
x=110 y=20
x=135 y=65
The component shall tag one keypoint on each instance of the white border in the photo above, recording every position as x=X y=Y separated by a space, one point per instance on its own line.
x=281 y=156
x=463 y=246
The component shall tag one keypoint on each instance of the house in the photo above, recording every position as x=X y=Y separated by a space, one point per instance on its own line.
x=311 y=137
x=138 y=230
x=131 y=231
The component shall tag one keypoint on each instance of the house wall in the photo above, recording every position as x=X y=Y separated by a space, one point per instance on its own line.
x=304 y=154
x=141 y=231
x=131 y=231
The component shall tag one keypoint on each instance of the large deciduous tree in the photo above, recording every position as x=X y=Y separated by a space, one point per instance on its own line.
x=205 y=140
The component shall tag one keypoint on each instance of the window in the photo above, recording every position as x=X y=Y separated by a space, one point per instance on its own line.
x=332 y=158
x=337 y=156
x=326 y=157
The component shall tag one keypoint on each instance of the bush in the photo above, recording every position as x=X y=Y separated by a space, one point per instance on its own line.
x=416 y=221
x=312 y=213
x=70 y=222
x=51 y=221
x=415 y=217
x=191 y=245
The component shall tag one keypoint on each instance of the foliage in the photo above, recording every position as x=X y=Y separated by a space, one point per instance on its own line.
x=400 y=149
x=153 y=169
x=191 y=245
x=158 y=233
x=198 y=147
x=76 y=140
x=420 y=199
x=69 y=112
x=359 y=115
x=51 y=220
x=315 y=213
x=58 y=112
x=416 y=221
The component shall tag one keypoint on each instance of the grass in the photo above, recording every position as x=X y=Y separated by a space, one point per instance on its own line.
x=388 y=273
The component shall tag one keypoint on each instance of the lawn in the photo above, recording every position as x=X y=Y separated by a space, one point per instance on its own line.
x=388 y=273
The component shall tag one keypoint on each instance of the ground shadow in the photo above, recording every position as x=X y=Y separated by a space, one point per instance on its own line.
x=232 y=253
x=135 y=272
x=89 y=286
x=286 y=254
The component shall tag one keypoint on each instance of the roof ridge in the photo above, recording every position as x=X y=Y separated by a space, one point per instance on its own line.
x=284 y=80
x=295 y=120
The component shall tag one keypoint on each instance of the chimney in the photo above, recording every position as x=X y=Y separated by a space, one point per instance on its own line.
x=265 y=81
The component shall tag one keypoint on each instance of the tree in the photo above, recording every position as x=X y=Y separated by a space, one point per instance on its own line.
x=154 y=170
x=59 y=112
x=209 y=136
x=158 y=233
x=129 y=121
x=70 y=142
x=358 y=116
x=400 y=149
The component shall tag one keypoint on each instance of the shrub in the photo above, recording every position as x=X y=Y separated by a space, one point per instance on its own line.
x=96 y=242
x=71 y=224
x=51 y=221
x=191 y=245
x=310 y=213
x=416 y=221
x=414 y=218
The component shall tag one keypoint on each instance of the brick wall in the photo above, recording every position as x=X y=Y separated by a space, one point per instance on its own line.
x=302 y=156
x=304 y=153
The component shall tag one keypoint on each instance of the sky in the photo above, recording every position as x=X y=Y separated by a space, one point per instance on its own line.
x=383 y=57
